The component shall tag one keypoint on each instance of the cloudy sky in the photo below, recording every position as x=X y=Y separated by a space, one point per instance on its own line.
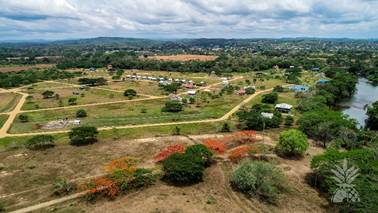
x=66 y=19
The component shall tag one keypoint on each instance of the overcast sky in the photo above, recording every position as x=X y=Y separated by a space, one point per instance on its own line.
x=66 y=19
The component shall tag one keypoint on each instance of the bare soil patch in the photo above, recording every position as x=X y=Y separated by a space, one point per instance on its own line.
x=183 y=57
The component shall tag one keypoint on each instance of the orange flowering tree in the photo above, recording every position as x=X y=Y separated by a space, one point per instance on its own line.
x=124 y=163
x=177 y=148
x=241 y=152
x=103 y=186
x=215 y=145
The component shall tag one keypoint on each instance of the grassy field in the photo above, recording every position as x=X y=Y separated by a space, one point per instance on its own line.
x=88 y=96
x=141 y=87
x=132 y=113
x=8 y=101
x=3 y=118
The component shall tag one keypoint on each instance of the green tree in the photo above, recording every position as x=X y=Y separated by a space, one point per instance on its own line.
x=23 y=118
x=40 y=142
x=292 y=143
x=81 y=113
x=83 y=135
x=270 y=98
x=72 y=101
x=372 y=120
x=172 y=106
x=130 y=93
x=226 y=128
x=48 y=94
x=200 y=153
x=180 y=169
x=289 y=120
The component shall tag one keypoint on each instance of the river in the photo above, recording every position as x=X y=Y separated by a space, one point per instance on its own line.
x=366 y=94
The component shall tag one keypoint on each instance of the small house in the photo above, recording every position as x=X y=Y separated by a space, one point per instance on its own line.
x=299 y=88
x=174 y=97
x=283 y=107
x=323 y=81
x=267 y=115
x=192 y=92
x=76 y=122
x=189 y=85
x=292 y=67
x=241 y=92
x=225 y=82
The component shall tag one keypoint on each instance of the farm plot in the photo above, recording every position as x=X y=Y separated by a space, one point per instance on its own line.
x=61 y=96
x=8 y=101
x=3 y=118
x=131 y=113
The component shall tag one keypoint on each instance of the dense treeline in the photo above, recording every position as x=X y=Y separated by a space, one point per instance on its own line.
x=15 y=79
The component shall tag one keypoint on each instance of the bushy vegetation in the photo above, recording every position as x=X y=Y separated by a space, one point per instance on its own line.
x=366 y=183
x=81 y=113
x=254 y=120
x=270 y=98
x=372 y=120
x=83 y=135
x=63 y=187
x=292 y=143
x=172 y=106
x=130 y=93
x=23 y=118
x=93 y=81
x=325 y=125
x=187 y=168
x=258 y=178
x=15 y=79
x=40 y=142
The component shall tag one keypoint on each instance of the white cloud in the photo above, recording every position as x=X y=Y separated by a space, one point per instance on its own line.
x=57 y=19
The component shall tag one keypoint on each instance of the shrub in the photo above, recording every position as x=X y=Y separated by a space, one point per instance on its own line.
x=289 y=120
x=226 y=128
x=63 y=187
x=176 y=131
x=130 y=93
x=177 y=148
x=105 y=187
x=40 y=142
x=72 y=101
x=81 y=113
x=181 y=170
x=142 y=178
x=172 y=106
x=47 y=94
x=250 y=90
x=23 y=118
x=258 y=178
x=201 y=152
x=292 y=143
x=215 y=145
x=83 y=135
x=240 y=152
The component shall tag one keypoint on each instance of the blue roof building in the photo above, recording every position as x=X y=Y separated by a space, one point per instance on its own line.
x=323 y=81
x=299 y=88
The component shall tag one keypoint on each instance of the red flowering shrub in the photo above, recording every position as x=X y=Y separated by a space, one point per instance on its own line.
x=124 y=163
x=105 y=187
x=177 y=148
x=215 y=145
x=240 y=152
